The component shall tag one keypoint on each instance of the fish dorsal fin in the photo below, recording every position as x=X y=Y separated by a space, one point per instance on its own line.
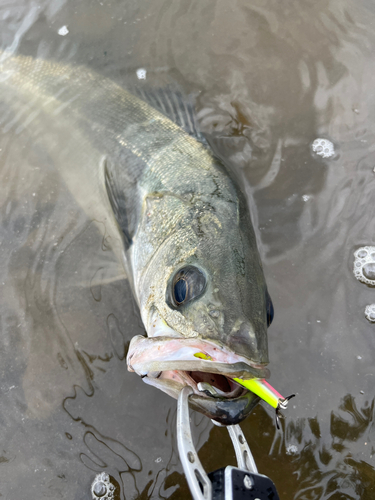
x=172 y=103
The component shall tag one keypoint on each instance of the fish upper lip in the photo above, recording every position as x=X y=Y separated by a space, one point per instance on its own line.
x=171 y=353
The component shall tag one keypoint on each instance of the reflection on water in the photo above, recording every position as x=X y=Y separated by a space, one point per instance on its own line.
x=269 y=79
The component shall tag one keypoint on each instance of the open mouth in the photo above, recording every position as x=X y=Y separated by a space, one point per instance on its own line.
x=212 y=384
x=173 y=363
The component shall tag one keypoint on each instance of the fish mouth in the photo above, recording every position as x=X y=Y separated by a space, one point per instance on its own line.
x=171 y=363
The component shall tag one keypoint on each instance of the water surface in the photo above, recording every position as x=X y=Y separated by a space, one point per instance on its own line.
x=268 y=78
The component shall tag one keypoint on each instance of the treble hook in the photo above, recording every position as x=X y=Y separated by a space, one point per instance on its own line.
x=282 y=405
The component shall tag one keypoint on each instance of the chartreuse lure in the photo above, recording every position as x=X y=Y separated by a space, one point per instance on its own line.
x=261 y=388
x=265 y=391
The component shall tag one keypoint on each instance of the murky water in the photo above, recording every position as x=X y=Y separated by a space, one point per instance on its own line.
x=269 y=78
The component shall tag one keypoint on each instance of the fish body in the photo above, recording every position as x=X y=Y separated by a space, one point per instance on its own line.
x=188 y=244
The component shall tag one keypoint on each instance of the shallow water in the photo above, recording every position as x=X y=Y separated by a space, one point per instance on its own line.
x=269 y=78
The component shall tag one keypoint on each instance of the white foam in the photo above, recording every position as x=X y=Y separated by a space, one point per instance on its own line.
x=291 y=449
x=323 y=147
x=63 y=31
x=141 y=73
x=102 y=487
x=370 y=313
x=363 y=256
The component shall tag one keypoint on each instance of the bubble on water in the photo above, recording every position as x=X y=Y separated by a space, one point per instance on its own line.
x=370 y=313
x=141 y=74
x=369 y=270
x=364 y=265
x=305 y=197
x=102 y=488
x=63 y=31
x=291 y=449
x=323 y=147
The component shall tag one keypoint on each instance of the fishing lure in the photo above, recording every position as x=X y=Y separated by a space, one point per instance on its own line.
x=265 y=391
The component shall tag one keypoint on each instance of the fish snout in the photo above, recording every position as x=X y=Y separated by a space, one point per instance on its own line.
x=250 y=344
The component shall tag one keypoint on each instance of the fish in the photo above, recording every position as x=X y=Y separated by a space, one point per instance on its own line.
x=181 y=217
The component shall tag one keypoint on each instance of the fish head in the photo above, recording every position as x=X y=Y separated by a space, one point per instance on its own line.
x=205 y=305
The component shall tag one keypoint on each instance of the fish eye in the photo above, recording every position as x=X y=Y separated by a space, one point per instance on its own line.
x=270 y=310
x=188 y=284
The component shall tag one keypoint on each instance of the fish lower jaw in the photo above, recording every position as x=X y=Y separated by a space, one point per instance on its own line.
x=215 y=395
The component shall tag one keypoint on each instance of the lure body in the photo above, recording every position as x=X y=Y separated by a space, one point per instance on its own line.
x=263 y=389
